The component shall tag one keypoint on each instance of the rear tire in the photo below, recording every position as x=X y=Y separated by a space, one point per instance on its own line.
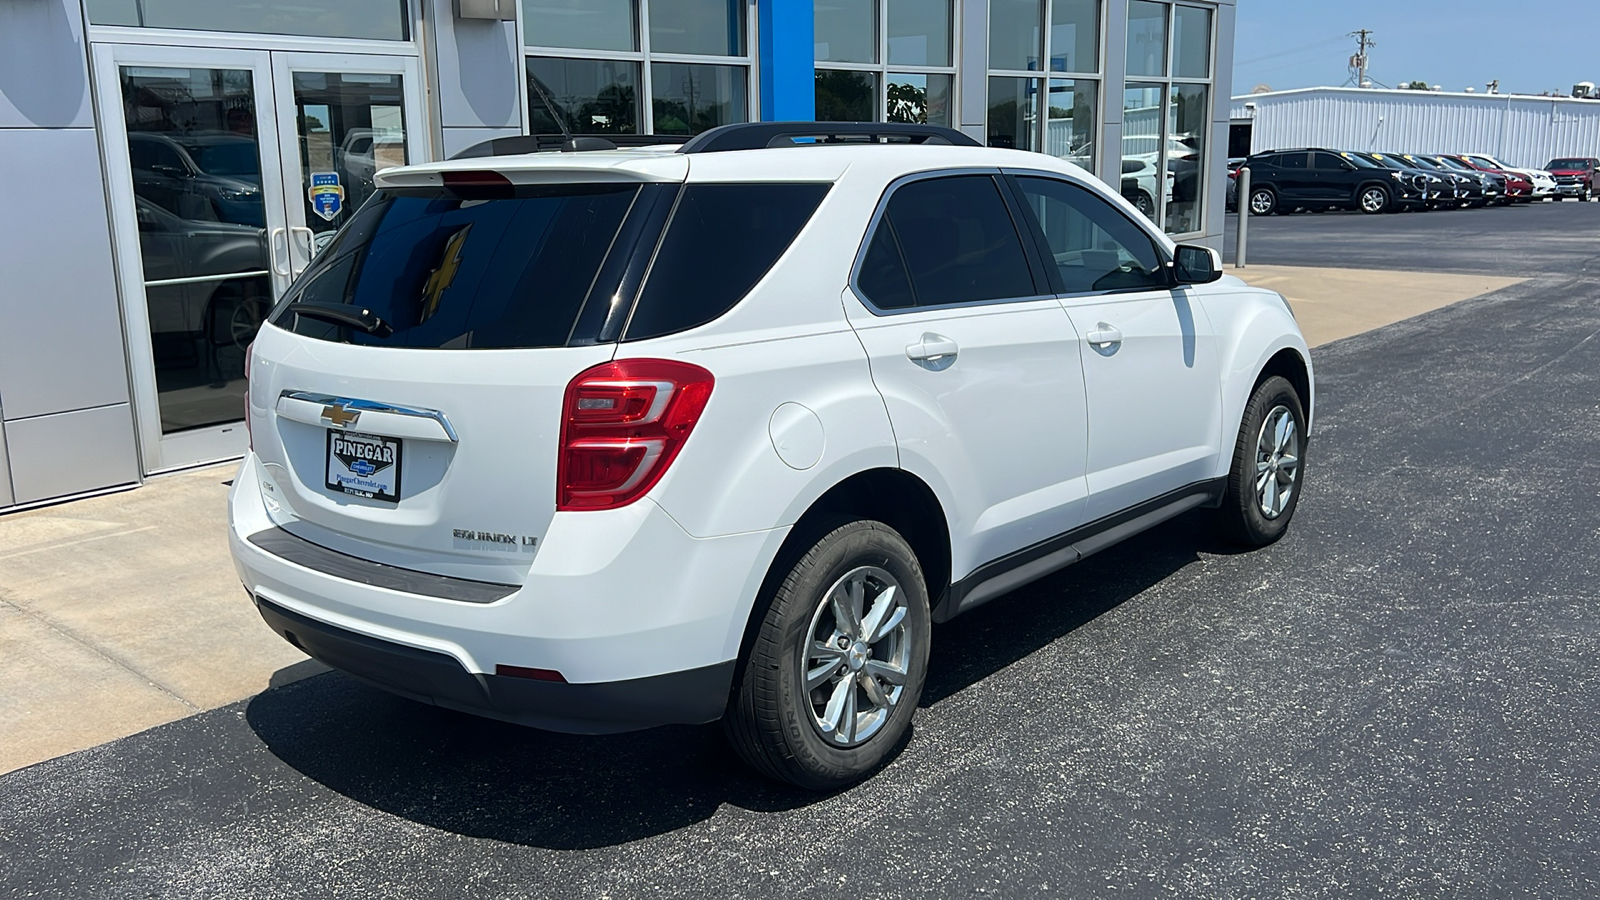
x=1263 y=202
x=1268 y=465
x=817 y=714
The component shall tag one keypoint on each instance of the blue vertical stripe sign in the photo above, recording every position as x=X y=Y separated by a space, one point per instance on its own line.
x=784 y=57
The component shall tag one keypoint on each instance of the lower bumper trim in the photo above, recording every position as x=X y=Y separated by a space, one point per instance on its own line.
x=690 y=697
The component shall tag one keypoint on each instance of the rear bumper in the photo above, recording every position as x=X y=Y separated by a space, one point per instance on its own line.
x=694 y=696
x=625 y=604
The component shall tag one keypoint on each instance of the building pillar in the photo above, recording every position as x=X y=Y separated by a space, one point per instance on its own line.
x=784 y=53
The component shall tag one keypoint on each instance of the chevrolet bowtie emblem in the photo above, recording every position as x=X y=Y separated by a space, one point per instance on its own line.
x=338 y=414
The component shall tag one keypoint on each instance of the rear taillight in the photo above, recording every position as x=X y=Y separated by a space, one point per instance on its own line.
x=622 y=425
x=249 y=356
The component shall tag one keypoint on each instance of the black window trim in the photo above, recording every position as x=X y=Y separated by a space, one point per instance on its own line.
x=1041 y=286
x=1040 y=245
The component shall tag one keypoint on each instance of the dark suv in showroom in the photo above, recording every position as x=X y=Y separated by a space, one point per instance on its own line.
x=1282 y=181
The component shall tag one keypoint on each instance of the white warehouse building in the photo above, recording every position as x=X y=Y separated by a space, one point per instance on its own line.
x=1519 y=130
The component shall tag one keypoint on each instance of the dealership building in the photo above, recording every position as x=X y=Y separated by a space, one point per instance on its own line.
x=168 y=167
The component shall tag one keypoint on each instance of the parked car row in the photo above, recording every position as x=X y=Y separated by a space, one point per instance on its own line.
x=1315 y=179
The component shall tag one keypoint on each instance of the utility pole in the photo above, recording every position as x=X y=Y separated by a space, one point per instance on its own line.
x=1359 y=61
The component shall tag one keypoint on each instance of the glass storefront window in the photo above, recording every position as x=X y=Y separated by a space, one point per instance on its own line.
x=846 y=31
x=1191 y=45
x=589 y=96
x=1013 y=112
x=919 y=99
x=378 y=20
x=1189 y=116
x=1074 y=36
x=1070 y=121
x=846 y=96
x=702 y=27
x=1015 y=39
x=580 y=24
x=1147 y=38
x=919 y=32
x=1166 y=117
x=692 y=97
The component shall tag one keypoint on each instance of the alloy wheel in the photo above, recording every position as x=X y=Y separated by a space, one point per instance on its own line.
x=1277 y=461
x=858 y=656
x=1262 y=202
x=1373 y=200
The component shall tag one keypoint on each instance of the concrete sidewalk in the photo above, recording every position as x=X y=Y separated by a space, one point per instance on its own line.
x=121 y=612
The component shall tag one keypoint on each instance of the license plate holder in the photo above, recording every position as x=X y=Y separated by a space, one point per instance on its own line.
x=364 y=465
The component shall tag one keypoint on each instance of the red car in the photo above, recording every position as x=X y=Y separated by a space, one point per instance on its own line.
x=1519 y=188
x=1575 y=176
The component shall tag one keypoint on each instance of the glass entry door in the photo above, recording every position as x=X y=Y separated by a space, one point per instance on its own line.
x=350 y=117
x=227 y=170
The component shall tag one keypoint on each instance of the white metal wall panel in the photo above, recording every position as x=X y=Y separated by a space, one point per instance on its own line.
x=1521 y=131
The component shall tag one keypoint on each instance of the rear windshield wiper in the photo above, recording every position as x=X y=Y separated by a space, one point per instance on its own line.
x=340 y=314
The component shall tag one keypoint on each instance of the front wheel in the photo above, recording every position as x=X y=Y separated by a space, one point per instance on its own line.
x=1264 y=483
x=1374 y=200
x=838 y=666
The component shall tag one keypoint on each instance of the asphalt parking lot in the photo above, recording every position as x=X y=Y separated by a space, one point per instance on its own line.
x=1535 y=239
x=1397 y=700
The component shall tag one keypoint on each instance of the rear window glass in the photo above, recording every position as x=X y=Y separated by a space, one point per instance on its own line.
x=448 y=272
x=721 y=240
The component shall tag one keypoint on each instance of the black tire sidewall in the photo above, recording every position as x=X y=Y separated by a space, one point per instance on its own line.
x=1250 y=202
x=814 y=763
x=1240 y=505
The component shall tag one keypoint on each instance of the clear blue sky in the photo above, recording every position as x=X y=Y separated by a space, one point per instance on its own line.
x=1538 y=45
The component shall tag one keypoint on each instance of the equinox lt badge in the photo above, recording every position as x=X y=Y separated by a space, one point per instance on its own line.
x=505 y=541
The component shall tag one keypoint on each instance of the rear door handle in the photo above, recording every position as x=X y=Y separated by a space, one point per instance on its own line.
x=1105 y=336
x=932 y=347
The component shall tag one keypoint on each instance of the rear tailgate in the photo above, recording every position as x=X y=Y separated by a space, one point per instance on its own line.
x=406 y=397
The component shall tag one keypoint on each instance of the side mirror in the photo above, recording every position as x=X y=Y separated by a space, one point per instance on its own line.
x=1194 y=264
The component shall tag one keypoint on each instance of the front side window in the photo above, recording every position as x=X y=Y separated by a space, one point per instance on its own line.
x=1094 y=246
x=945 y=241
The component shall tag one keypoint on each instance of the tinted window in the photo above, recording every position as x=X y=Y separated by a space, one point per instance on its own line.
x=447 y=272
x=1329 y=161
x=1095 y=247
x=721 y=240
x=884 y=279
x=956 y=238
x=1292 y=160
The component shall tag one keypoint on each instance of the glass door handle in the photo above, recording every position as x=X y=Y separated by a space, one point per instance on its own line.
x=310 y=238
x=272 y=251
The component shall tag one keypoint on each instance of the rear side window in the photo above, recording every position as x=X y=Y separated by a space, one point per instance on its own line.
x=1292 y=161
x=445 y=272
x=952 y=240
x=721 y=240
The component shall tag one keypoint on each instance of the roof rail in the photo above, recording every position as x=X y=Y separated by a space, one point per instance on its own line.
x=551 y=143
x=761 y=135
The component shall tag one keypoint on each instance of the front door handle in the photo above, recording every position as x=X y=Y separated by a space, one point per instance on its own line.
x=1105 y=336
x=932 y=348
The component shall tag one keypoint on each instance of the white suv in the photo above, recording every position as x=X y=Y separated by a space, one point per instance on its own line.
x=596 y=441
